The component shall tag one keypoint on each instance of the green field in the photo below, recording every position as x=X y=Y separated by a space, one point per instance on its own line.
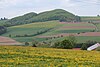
x=18 y=56
x=80 y=39
x=55 y=27
x=89 y=18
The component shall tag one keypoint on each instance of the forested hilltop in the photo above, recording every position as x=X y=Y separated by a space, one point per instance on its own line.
x=57 y=14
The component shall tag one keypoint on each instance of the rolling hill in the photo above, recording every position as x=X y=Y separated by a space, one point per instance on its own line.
x=52 y=31
x=57 y=14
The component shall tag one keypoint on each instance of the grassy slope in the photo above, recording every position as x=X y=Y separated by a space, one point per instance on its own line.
x=36 y=27
x=57 y=29
x=17 y=56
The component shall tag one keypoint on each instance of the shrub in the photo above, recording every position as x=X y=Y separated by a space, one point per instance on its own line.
x=88 y=44
x=26 y=44
x=68 y=43
x=84 y=47
x=33 y=45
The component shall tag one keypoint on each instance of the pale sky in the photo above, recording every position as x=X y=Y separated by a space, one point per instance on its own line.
x=13 y=8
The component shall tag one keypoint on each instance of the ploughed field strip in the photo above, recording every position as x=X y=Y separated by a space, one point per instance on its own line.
x=8 y=41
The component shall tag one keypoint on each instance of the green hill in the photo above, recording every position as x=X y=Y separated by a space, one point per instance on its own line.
x=57 y=14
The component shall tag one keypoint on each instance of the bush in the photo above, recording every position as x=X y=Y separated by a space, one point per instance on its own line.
x=68 y=43
x=88 y=44
x=57 y=45
x=33 y=45
x=26 y=44
x=84 y=47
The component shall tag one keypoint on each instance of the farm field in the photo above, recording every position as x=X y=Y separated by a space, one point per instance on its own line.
x=8 y=41
x=83 y=31
x=80 y=39
x=90 y=18
x=47 y=57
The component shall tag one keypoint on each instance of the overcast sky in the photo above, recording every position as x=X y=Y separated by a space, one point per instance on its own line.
x=12 y=8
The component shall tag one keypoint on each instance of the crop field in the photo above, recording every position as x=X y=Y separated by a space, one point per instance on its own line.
x=19 y=56
x=87 y=19
x=80 y=39
x=30 y=28
x=8 y=41
x=56 y=29
x=98 y=26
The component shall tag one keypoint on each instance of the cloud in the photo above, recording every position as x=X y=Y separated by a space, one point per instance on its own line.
x=12 y=8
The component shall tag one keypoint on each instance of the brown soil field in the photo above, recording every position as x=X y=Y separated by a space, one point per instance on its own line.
x=72 y=22
x=78 y=27
x=75 y=34
x=8 y=41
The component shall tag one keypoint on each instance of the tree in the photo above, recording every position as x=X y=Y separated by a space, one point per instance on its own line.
x=72 y=39
x=98 y=15
x=88 y=44
x=9 y=35
x=57 y=45
x=26 y=44
x=33 y=45
x=84 y=47
x=66 y=44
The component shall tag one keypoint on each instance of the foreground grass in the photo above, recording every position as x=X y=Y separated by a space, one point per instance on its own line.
x=19 y=56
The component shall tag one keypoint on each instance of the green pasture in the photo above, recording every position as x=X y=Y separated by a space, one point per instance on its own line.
x=80 y=39
x=89 y=18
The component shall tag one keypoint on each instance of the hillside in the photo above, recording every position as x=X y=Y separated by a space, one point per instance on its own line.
x=57 y=14
x=52 y=31
x=47 y=57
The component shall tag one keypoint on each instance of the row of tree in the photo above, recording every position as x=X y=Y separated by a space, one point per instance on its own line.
x=4 y=18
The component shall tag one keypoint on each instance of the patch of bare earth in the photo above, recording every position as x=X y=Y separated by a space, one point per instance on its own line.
x=77 y=27
x=76 y=48
x=72 y=22
x=8 y=41
x=75 y=34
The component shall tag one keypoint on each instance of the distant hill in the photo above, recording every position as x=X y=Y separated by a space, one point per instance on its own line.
x=57 y=14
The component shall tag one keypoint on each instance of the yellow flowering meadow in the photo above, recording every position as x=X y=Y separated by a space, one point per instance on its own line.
x=18 y=56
